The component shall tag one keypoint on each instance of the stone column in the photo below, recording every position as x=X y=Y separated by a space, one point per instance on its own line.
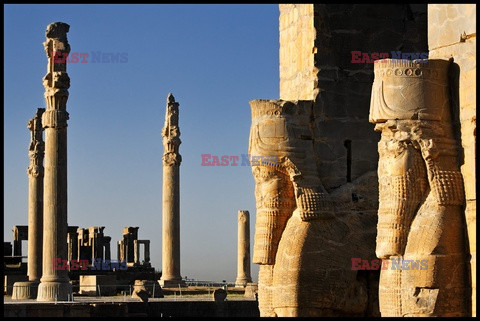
x=171 y=198
x=243 y=261
x=55 y=284
x=28 y=290
x=136 y=252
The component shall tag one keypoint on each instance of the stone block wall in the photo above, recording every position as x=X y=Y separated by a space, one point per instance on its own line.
x=297 y=36
x=345 y=142
x=316 y=44
x=452 y=35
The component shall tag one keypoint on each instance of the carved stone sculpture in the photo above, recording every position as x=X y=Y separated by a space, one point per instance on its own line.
x=55 y=284
x=303 y=249
x=171 y=198
x=421 y=191
x=28 y=290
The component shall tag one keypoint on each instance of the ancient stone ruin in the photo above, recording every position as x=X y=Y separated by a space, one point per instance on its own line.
x=346 y=173
x=55 y=284
x=92 y=244
x=171 y=198
x=243 y=250
x=421 y=191
x=36 y=150
x=317 y=206
x=129 y=248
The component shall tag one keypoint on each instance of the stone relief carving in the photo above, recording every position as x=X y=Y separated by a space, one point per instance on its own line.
x=36 y=149
x=420 y=191
x=303 y=249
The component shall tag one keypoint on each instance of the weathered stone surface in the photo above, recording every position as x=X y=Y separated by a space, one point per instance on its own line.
x=153 y=288
x=171 y=198
x=420 y=189
x=449 y=24
x=25 y=290
x=452 y=35
x=305 y=237
x=10 y=280
x=92 y=244
x=251 y=290
x=35 y=197
x=142 y=295
x=296 y=39
x=144 y=289
x=101 y=285
x=28 y=290
x=297 y=274
x=243 y=260
x=316 y=41
x=55 y=284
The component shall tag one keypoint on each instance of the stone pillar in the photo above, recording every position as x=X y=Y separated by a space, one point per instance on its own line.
x=171 y=198
x=55 y=284
x=20 y=233
x=243 y=260
x=106 y=247
x=28 y=290
x=72 y=243
x=147 y=250
x=136 y=252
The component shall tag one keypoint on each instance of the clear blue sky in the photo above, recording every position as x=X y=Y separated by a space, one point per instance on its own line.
x=213 y=58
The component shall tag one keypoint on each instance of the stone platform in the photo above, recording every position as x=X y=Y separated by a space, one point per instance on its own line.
x=118 y=306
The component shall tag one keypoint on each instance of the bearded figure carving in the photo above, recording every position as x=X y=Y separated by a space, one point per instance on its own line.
x=297 y=234
x=420 y=191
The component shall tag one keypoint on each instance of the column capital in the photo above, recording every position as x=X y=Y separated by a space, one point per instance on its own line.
x=171 y=134
x=55 y=119
x=36 y=149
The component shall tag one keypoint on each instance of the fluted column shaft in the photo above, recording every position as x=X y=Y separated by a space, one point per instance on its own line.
x=55 y=283
x=243 y=260
x=171 y=198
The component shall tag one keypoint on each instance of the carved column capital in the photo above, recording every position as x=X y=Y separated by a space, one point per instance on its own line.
x=171 y=134
x=55 y=119
x=171 y=159
x=56 y=81
x=36 y=149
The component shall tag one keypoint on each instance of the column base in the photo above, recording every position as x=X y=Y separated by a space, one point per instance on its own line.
x=242 y=282
x=25 y=290
x=54 y=291
x=174 y=283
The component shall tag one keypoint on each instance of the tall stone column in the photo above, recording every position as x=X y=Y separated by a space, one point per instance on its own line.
x=28 y=290
x=55 y=284
x=243 y=260
x=171 y=198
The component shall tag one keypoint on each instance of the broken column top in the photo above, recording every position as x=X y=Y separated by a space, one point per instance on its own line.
x=130 y=230
x=170 y=98
x=57 y=30
x=36 y=129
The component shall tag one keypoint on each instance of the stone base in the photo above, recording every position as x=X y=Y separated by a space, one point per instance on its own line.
x=251 y=290
x=25 y=290
x=242 y=282
x=172 y=283
x=10 y=280
x=101 y=285
x=54 y=291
